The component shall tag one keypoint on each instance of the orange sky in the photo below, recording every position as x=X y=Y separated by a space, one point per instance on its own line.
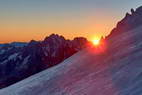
x=24 y=20
x=26 y=29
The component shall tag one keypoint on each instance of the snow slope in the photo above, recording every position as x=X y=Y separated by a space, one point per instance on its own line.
x=116 y=71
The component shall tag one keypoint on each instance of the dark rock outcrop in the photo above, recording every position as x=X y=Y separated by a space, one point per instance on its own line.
x=130 y=21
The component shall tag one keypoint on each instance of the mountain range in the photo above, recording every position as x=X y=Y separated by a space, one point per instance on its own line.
x=113 y=68
x=21 y=60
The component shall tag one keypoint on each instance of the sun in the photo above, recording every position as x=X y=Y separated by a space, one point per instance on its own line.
x=96 y=42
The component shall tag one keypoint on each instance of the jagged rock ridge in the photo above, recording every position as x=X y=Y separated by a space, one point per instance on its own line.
x=130 y=21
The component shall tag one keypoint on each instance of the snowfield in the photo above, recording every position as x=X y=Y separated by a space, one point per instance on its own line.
x=116 y=71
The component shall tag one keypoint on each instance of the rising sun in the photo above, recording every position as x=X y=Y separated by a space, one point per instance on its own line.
x=96 y=42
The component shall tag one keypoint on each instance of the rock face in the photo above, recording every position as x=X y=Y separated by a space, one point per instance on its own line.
x=115 y=71
x=20 y=60
x=129 y=22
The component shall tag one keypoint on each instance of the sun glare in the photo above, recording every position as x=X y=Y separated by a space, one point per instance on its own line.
x=96 y=42
x=99 y=45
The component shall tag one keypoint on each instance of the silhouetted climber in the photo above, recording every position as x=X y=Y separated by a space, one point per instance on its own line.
x=132 y=11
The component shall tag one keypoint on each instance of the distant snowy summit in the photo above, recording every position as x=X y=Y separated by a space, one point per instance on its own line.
x=20 y=60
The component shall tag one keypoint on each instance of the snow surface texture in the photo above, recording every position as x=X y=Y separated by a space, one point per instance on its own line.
x=117 y=71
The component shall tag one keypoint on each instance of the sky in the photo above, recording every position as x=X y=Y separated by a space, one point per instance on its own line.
x=25 y=20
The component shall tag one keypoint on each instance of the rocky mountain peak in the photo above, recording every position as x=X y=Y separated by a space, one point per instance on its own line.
x=54 y=38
